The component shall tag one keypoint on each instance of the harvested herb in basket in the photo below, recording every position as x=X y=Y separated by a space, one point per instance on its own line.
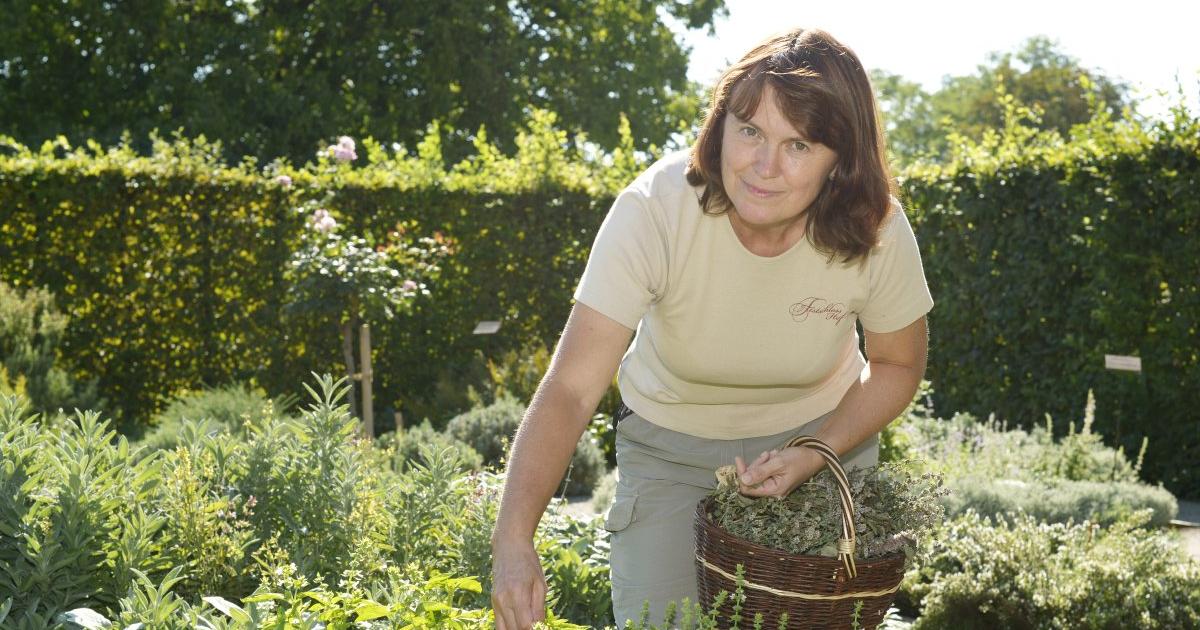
x=892 y=507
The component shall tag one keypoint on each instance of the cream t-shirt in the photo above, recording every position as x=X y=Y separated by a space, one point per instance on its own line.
x=730 y=344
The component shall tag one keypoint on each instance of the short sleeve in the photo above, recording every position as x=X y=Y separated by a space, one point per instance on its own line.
x=899 y=294
x=627 y=264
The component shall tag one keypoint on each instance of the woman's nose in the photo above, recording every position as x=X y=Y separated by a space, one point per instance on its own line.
x=766 y=161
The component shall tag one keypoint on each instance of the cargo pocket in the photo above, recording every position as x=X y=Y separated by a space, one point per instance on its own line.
x=620 y=513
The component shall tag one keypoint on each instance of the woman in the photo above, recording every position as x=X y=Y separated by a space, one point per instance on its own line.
x=743 y=265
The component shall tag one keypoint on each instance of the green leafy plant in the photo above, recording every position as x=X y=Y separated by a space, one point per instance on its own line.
x=229 y=408
x=75 y=516
x=993 y=468
x=32 y=331
x=208 y=533
x=408 y=446
x=1014 y=572
x=491 y=429
x=314 y=488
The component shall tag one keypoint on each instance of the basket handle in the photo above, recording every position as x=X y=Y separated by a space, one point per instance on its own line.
x=845 y=544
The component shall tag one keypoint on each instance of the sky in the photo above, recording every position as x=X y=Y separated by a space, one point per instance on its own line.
x=1144 y=42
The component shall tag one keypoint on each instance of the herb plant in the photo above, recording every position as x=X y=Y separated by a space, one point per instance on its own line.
x=892 y=506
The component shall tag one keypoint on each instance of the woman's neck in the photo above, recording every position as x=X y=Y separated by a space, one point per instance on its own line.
x=767 y=241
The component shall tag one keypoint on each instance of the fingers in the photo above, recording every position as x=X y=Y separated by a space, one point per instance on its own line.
x=519 y=592
x=766 y=476
x=771 y=486
x=765 y=465
x=504 y=617
x=537 y=601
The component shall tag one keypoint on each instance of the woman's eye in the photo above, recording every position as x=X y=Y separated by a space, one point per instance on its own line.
x=799 y=146
x=749 y=132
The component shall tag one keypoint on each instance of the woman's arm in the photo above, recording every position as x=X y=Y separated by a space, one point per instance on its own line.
x=582 y=368
x=895 y=366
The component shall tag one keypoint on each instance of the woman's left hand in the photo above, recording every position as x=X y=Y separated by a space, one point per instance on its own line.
x=776 y=472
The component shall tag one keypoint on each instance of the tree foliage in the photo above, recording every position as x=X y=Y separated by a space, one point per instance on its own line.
x=1057 y=86
x=266 y=78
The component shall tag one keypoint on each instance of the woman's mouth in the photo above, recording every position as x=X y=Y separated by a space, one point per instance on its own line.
x=756 y=191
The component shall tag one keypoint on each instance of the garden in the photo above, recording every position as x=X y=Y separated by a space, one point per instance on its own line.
x=250 y=390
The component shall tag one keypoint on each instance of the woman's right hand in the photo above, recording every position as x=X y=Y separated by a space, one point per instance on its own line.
x=518 y=585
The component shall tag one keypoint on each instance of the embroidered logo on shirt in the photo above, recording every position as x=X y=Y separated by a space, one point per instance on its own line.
x=819 y=307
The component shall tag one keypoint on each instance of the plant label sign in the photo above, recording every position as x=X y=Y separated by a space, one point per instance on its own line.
x=486 y=328
x=1119 y=362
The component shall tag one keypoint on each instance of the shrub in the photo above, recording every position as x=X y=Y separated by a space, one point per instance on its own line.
x=586 y=468
x=314 y=488
x=31 y=332
x=406 y=447
x=77 y=514
x=229 y=408
x=208 y=532
x=284 y=511
x=517 y=374
x=991 y=468
x=1047 y=254
x=1097 y=219
x=10 y=387
x=1018 y=573
x=490 y=430
x=602 y=493
x=1060 y=501
x=895 y=443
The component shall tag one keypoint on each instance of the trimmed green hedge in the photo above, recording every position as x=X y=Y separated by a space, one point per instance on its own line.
x=171 y=266
x=1042 y=254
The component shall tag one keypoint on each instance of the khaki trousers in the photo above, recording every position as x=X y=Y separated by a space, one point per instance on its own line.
x=663 y=474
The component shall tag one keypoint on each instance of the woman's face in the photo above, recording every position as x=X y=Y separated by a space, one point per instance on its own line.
x=771 y=173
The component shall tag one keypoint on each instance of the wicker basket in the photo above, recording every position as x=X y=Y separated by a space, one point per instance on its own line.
x=814 y=591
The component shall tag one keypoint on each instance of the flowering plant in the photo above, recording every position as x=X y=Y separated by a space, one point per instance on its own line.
x=350 y=278
x=356 y=279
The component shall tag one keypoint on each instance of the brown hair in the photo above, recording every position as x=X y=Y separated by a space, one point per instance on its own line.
x=822 y=89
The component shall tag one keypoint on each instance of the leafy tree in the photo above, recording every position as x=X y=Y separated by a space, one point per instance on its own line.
x=912 y=129
x=267 y=77
x=1037 y=75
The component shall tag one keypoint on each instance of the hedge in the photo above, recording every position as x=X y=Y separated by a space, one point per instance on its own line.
x=1043 y=254
x=171 y=266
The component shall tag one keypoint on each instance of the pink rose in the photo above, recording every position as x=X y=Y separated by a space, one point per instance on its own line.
x=322 y=221
x=343 y=151
x=409 y=285
x=284 y=180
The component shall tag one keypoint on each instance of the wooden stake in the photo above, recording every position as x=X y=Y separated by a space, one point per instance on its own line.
x=348 y=357
x=364 y=354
